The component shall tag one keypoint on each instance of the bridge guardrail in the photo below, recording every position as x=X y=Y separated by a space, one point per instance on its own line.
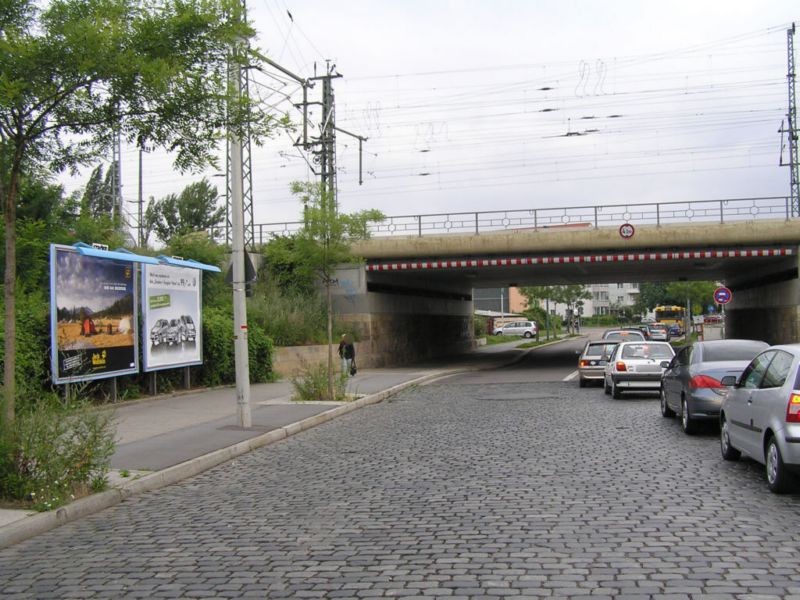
x=578 y=217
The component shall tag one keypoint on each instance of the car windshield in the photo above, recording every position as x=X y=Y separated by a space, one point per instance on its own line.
x=599 y=350
x=646 y=351
x=173 y=322
x=621 y=335
x=731 y=351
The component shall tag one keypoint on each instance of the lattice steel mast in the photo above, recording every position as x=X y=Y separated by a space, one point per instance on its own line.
x=794 y=179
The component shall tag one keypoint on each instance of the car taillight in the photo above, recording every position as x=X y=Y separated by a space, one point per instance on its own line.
x=584 y=363
x=705 y=381
x=621 y=366
x=793 y=408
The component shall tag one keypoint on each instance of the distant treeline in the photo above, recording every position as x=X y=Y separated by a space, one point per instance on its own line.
x=120 y=308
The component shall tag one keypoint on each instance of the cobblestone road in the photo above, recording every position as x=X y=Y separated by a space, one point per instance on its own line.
x=447 y=491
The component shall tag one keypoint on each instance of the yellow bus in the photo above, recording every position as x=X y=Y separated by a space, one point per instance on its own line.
x=670 y=315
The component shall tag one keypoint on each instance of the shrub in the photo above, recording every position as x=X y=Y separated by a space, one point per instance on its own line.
x=289 y=318
x=55 y=452
x=218 y=350
x=480 y=326
x=312 y=384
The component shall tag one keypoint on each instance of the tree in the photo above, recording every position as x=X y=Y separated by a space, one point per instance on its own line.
x=195 y=209
x=324 y=243
x=571 y=295
x=77 y=73
x=650 y=295
x=98 y=196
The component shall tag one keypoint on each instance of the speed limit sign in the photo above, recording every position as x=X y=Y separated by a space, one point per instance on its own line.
x=626 y=231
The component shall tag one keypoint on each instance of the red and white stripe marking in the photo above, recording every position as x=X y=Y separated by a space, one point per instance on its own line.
x=448 y=263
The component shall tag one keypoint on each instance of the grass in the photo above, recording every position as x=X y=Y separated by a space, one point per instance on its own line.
x=493 y=340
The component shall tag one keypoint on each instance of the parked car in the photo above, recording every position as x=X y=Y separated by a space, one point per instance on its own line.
x=658 y=332
x=526 y=329
x=592 y=361
x=623 y=335
x=189 y=329
x=158 y=331
x=636 y=366
x=760 y=415
x=692 y=385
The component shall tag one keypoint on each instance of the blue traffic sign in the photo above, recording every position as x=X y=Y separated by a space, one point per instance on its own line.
x=722 y=295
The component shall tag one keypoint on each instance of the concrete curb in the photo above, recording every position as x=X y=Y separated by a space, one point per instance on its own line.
x=39 y=523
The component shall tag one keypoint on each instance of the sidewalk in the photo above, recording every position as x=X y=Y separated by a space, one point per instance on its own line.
x=165 y=439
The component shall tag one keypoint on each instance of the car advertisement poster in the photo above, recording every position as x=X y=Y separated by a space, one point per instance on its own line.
x=171 y=301
x=93 y=319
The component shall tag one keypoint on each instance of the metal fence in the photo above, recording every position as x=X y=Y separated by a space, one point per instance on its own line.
x=577 y=217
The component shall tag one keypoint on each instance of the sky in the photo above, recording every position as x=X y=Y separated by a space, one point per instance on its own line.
x=509 y=104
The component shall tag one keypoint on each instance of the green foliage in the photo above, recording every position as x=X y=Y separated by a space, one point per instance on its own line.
x=33 y=335
x=289 y=318
x=195 y=209
x=200 y=247
x=480 y=325
x=54 y=453
x=99 y=194
x=311 y=384
x=324 y=241
x=286 y=267
x=218 y=350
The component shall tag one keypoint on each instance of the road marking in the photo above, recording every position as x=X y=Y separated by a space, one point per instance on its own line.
x=571 y=376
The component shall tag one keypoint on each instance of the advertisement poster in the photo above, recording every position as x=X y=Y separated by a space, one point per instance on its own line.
x=171 y=307
x=93 y=316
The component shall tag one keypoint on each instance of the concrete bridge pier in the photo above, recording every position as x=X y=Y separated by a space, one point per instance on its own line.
x=401 y=323
x=765 y=304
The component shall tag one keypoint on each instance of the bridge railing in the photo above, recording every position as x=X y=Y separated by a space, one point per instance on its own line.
x=577 y=217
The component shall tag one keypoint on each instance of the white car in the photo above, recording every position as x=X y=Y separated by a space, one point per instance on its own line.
x=637 y=366
x=526 y=329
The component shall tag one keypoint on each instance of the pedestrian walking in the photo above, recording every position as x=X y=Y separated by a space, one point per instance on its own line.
x=347 y=352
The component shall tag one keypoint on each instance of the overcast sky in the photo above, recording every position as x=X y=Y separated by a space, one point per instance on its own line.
x=486 y=105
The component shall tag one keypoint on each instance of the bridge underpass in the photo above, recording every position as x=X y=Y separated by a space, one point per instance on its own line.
x=413 y=298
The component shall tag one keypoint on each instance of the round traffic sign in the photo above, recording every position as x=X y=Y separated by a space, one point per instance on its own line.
x=722 y=295
x=626 y=230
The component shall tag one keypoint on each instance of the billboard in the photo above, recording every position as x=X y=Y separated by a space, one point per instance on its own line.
x=93 y=316
x=172 y=332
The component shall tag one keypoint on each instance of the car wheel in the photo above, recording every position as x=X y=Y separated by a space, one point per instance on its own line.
x=666 y=411
x=528 y=334
x=778 y=478
x=606 y=387
x=688 y=424
x=615 y=391
x=728 y=451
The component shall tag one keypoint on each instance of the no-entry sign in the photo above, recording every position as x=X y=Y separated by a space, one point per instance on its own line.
x=722 y=295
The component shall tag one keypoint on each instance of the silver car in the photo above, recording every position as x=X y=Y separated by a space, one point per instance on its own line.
x=526 y=329
x=692 y=385
x=760 y=416
x=637 y=366
x=592 y=361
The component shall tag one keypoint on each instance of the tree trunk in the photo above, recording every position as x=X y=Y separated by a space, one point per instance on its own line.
x=330 y=338
x=10 y=283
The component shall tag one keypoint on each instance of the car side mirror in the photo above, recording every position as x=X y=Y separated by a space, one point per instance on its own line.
x=728 y=380
x=665 y=364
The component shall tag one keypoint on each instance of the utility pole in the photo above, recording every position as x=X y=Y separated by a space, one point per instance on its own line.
x=237 y=231
x=794 y=178
x=140 y=237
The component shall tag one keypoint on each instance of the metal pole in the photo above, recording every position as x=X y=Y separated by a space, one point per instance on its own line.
x=237 y=257
x=141 y=203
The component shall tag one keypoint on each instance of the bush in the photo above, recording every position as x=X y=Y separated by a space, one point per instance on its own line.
x=312 y=384
x=480 y=326
x=54 y=453
x=219 y=362
x=289 y=318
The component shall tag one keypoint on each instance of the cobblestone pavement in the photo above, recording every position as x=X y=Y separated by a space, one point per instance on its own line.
x=447 y=491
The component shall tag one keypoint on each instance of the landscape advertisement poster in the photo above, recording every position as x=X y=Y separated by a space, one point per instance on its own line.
x=171 y=303
x=93 y=316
